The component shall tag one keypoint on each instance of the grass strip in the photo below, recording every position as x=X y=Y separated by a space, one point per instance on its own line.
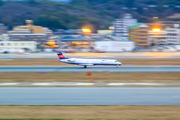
x=95 y=77
x=90 y=112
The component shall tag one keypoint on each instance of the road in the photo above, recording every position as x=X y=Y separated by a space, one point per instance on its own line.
x=56 y=69
x=90 y=96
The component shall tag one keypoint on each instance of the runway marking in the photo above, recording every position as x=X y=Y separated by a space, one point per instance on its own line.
x=84 y=83
x=9 y=83
x=40 y=83
x=115 y=83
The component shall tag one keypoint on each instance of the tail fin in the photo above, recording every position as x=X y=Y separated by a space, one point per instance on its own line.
x=61 y=56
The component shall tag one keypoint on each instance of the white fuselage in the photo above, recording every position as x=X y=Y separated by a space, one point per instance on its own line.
x=90 y=62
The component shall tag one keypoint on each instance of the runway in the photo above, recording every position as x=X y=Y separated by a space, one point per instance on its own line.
x=58 y=69
x=90 y=96
x=85 y=84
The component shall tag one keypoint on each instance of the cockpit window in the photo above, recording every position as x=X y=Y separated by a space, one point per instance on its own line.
x=115 y=61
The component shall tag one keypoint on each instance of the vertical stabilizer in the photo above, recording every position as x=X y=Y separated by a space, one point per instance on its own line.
x=61 y=56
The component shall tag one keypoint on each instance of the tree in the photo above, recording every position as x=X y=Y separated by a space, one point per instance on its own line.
x=32 y=1
x=1 y=2
x=80 y=2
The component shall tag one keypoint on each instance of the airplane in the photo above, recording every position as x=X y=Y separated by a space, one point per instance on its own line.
x=87 y=62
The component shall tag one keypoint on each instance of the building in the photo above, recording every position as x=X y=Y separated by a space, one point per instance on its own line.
x=29 y=33
x=114 y=46
x=3 y=29
x=77 y=41
x=104 y=35
x=48 y=32
x=69 y=32
x=157 y=38
x=28 y=28
x=40 y=38
x=105 y=32
x=121 y=26
x=173 y=35
x=168 y=36
x=13 y=46
x=139 y=34
x=76 y=38
x=5 y=37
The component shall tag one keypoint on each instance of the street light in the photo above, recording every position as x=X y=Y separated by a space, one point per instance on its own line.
x=86 y=30
x=156 y=29
x=51 y=42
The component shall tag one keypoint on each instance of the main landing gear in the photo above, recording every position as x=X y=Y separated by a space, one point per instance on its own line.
x=85 y=66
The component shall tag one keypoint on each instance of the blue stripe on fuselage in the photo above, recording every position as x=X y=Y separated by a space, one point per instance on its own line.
x=63 y=58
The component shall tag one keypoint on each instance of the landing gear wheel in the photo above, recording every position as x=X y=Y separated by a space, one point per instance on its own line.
x=117 y=66
x=85 y=66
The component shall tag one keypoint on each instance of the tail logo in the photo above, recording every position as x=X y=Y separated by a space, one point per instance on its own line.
x=61 y=56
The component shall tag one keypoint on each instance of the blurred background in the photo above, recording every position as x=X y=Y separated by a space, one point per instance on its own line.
x=29 y=26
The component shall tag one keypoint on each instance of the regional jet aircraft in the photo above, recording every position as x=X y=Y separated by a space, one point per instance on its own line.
x=87 y=62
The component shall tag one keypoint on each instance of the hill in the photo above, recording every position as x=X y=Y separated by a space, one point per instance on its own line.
x=79 y=13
